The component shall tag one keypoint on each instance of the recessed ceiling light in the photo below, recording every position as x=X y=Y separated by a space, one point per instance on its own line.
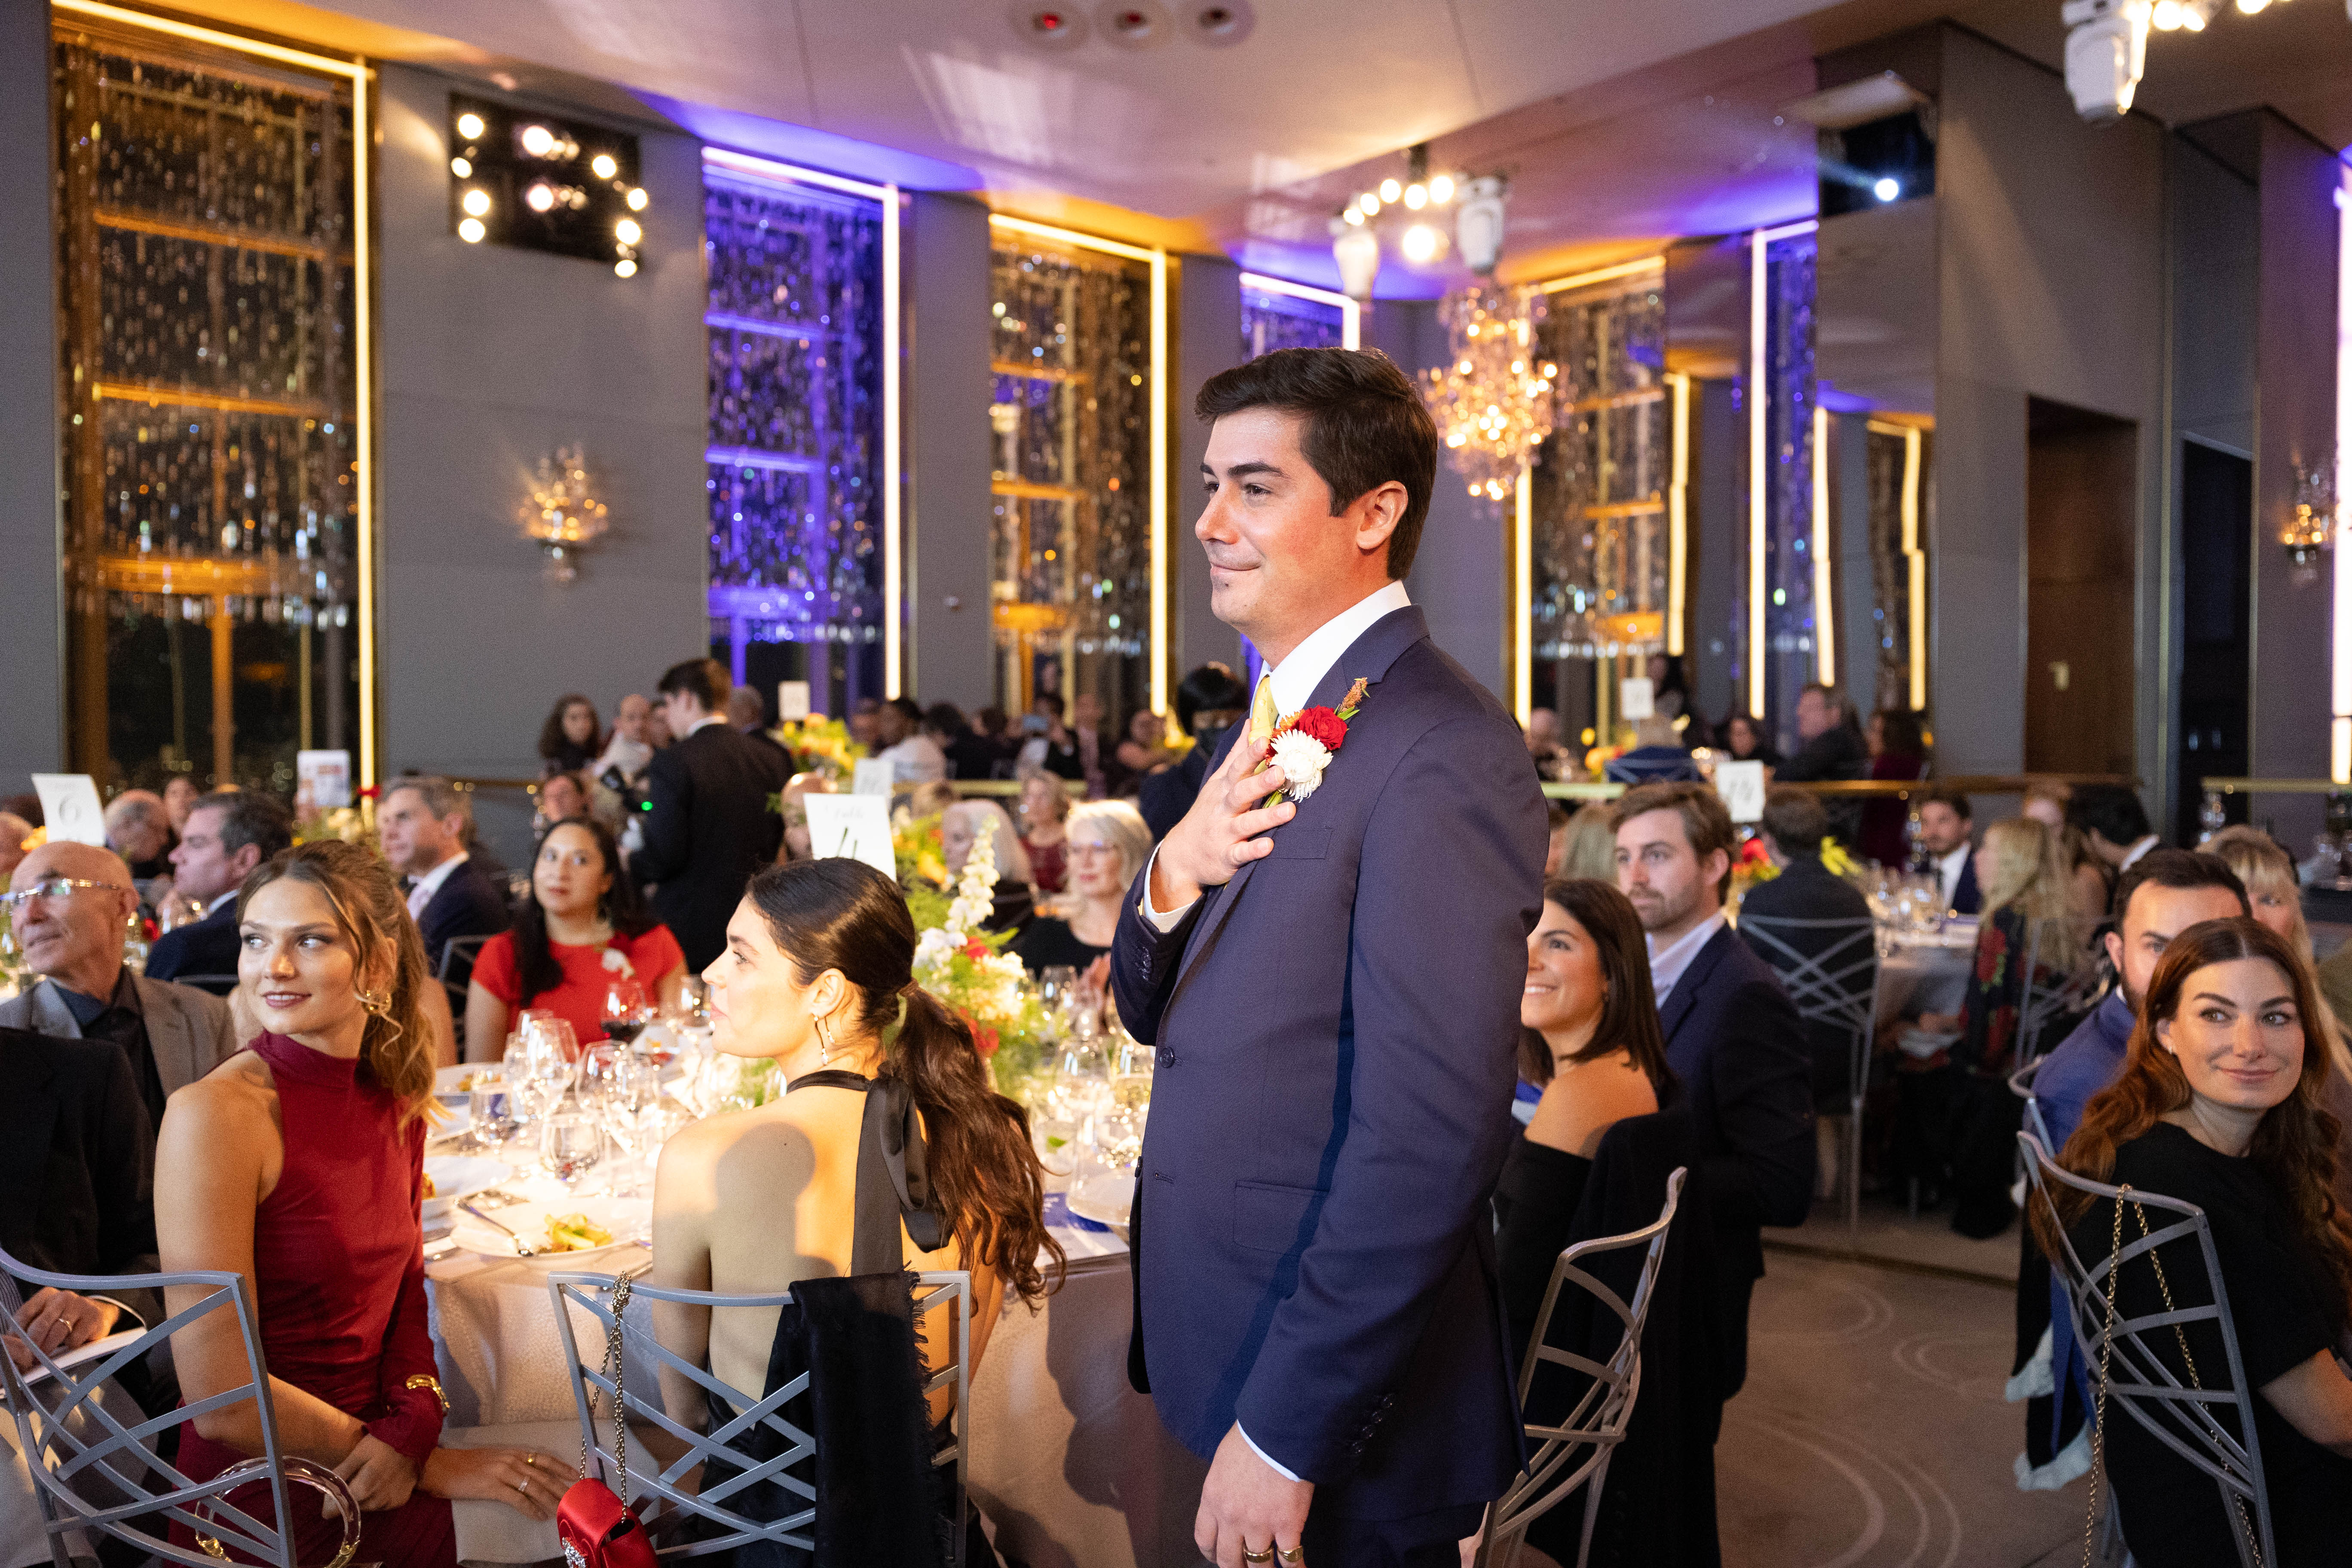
x=537 y=141
x=605 y=165
x=470 y=126
x=476 y=202
x=627 y=231
x=471 y=231
x=461 y=168
x=626 y=268
x=539 y=198
x=636 y=198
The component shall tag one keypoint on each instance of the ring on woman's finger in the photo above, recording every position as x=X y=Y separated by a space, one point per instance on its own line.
x=1264 y=1555
x=531 y=1459
x=1291 y=1554
x=523 y=1486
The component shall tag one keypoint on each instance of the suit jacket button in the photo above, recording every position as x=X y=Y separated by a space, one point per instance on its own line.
x=1167 y=1058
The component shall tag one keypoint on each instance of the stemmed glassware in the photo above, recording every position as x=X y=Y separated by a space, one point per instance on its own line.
x=618 y=1088
x=542 y=1062
x=627 y=1011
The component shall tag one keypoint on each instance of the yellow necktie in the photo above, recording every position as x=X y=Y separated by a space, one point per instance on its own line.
x=1263 y=717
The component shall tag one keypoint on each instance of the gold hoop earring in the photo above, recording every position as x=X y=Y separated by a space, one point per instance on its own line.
x=376 y=1002
x=823 y=1044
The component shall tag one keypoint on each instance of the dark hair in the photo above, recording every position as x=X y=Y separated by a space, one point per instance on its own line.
x=1052 y=699
x=2295 y=1142
x=1628 y=1010
x=1795 y=820
x=1366 y=426
x=1210 y=689
x=1754 y=731
x=990 y=721
x=553 y=743
x=839 y=913
x=248 y=818
x=1950 y=798
x=947 y=719
x=1833 y=697
x=2111 y=811
x=1899 y=735
x=704 y=680
x=909 y=708
x=536 y=970
x=1706 y=821
x=1557 y=816
x=2175 y=868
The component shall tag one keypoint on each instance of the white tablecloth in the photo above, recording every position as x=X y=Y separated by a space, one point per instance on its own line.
x=1922 y=978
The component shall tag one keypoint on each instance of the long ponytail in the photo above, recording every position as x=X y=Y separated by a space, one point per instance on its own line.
x=842 y=914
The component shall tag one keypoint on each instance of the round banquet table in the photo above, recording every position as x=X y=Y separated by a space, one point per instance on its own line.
x=1925 y=975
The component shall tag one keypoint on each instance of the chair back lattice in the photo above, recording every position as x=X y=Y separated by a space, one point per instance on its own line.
x=1575 y=1451
x=666 y=1509
x=1837 y=986
x=2071 y=990
x=458 y=959
x=77 y=1449
x=2184 y=1417
x=2021 y=1084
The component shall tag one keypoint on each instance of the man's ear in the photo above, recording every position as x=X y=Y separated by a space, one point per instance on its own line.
x=1376 y=514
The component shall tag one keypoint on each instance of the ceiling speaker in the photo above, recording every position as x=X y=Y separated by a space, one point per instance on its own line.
x=1050 y=27
x=1133 y=24
x=1223 y=22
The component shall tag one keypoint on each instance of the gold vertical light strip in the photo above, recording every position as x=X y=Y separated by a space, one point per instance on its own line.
x=1523 y=551
x=358 y=73
x=894 y=634
x=1756 y=474
x=1350 y=311
x=1824 y=584
x=1915 y=559
x=2339 y=729
x=1677 y=512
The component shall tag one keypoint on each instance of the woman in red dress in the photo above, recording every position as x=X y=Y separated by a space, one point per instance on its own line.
x=583 y=929
x=298 y=1164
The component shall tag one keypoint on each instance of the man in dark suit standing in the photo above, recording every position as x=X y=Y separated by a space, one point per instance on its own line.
x=1732 y=1036
x=1332 y=980
x=713 y=820
x=421 y=821
x=229 y=833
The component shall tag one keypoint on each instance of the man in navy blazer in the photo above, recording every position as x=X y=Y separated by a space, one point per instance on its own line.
x=228 y=833
x=1733 y=1037
x=1332 y=983
x=421 y=820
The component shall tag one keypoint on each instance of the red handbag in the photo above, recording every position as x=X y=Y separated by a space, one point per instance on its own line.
x=597 y=1528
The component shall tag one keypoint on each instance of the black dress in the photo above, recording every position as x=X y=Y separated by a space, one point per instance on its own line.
x=1049 y=941
x=856 y=1340
x=2173 y=1515
x=1535 y=1203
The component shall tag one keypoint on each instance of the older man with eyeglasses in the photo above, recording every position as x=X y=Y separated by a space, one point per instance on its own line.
x=70 y=905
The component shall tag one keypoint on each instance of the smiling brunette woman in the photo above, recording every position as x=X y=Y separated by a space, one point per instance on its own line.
x=298 y=1164
x=2221 y=1104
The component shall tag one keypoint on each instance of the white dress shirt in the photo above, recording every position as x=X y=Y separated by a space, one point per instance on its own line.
x=916 y=759
x=430 y=883
x=1667 y=963
x=1949 y=868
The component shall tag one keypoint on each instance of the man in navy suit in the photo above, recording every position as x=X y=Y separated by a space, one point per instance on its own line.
x=713 y=817
x=421 y=821
x=1945 y=825
x=1332 y=981
x=229 y=833
x=1733 y=1037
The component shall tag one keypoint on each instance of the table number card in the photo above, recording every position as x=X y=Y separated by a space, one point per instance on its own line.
x=1741 y=786
x=874 y=776
x=1635 y=699
x=791 y=700
x=852 y=826
x=323 y=779
x=70 y=808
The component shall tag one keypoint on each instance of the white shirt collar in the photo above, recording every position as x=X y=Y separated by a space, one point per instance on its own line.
x=1667 y=963
x=430 y=883
x=706 y=720
x=1296 y=676
x=214 y=908
x=1949 y=866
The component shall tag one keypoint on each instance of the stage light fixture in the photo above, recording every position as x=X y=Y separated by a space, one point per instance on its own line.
x=462 y=169
x=625 y=268
x=471 y=231
x=476 y=202
x=636 y=199
x=1421 y=243
x=1441 y=189
x=605 y=165
x=1416 y=196
x=537 y=141
x=540 y=182
x=627 y=231
x=1368 y=204
x=1887 y=189
x=540 y=198
x=1389 y=190
x=471 y=126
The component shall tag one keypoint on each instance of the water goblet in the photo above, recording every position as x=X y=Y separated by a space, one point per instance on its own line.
x=569 y=1144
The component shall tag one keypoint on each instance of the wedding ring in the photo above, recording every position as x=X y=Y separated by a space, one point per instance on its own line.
x=1265 y=1557
x=523 y=1487
x=1291 y=1554
x=531 y=1459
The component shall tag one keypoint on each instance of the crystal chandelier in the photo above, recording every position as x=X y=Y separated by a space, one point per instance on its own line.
x=1494 y=402
x=563 y=515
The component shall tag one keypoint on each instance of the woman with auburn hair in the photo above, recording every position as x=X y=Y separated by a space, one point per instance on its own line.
x=298 y=1164
x=2221 y=1104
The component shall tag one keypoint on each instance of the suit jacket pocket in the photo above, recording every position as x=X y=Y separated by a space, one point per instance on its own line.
x=1270 y=1218
x=1292 y=842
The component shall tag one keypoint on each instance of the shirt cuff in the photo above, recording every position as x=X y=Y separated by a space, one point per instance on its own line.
x=130 y=1318
x=1272 y=1463
x=1163 y=924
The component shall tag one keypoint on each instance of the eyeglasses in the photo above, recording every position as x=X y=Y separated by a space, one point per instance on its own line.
x=54 y=888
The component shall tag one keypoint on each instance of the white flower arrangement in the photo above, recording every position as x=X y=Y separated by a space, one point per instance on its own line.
x=1302 y=759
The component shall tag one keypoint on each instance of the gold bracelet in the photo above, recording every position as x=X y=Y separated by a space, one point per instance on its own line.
x=421 y=1381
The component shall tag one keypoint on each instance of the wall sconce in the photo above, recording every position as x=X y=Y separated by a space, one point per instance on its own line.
x=2310 y=529
x=562 y=516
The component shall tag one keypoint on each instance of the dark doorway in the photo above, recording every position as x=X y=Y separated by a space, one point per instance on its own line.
x=2080 y=494
x=2217 y=521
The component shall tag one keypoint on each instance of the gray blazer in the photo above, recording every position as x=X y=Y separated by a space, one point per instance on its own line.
x=188 y=1030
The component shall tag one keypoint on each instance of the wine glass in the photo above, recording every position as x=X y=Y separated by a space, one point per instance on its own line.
x=625 y=1011
x=569 y=1144
x=548 y=1065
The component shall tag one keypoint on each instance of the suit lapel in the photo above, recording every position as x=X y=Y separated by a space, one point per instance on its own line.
x=1684 y=995
x=50 y=1014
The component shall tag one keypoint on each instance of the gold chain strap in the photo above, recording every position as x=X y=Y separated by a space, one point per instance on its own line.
x=2099 y=1394
x=611 y=1368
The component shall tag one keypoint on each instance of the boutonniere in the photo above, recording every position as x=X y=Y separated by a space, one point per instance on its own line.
x=1305 y=743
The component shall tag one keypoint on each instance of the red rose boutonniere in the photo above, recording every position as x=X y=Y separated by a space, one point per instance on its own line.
x=1304 y=743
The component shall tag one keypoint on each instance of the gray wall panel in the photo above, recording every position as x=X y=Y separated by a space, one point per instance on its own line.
x=32 y=717
x=1209 y=340
x=948 y=456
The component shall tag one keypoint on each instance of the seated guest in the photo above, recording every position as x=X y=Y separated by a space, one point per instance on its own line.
x=970 y=754
x=865 y=723
x=2220 y=1104
x=1045 y=812
x=1555 y=838
x=914 y=757
x=298 y=1164
x=630 y=750
x=2273 y=892
x=1108 y=845
x=795 y=845
x=798 y=1194
x=1658 y=755
x=1743 y=741
x=960 y=827
x=1898 y=753
x=1736 y=1043
x=139 y=829
x=1591 y=849
x=1945 y=821
x=1834 y=748
x=747 y=715
x=560 y=795
x=581 y=927
x=68 y=905
x=422 y=822
x=229 y=833
x=1047 y=744
x=1794 y=824
x=2114 y=824
x=1588 y=1037
x=1959 y=1118
x=1145 y=749
x=2089 y=883
x=180 y=795
x=1554 y=762
x=1209 y=701
x=573 y=736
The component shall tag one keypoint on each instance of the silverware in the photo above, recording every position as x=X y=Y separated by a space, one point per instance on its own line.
x=496 y=1198
x=523 y=1248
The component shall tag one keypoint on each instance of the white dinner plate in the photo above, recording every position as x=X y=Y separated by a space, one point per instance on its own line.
x=1924 y=1043
x=450 y=1082
x=1103 y=1199
x=629 y=1220
x=456 y=1176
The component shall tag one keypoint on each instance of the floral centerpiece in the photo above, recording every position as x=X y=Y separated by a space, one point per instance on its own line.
x=923 y=866
x=354 y=824
x=822 y=745
x=967 y=968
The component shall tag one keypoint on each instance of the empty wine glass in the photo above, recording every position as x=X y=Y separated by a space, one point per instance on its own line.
x=569 y=1144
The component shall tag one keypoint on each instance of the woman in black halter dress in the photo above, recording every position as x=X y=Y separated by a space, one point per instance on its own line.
x=889 y=1153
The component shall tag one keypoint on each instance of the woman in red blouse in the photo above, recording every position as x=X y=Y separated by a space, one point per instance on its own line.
x=581 y=928
x=298 y=1164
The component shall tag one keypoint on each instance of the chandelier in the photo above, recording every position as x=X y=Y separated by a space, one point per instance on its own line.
x=562 y=516
x=1494 y=400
